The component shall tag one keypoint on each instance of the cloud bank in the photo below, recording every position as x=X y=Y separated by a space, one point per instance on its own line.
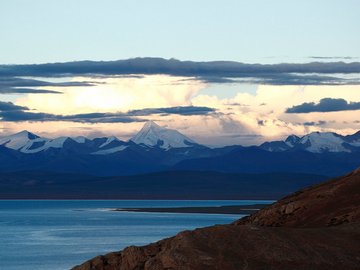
x=16 y=85
x=325 y=105
x=266 y=102
x=13 y=113
x=9 y=106
x=315 y=73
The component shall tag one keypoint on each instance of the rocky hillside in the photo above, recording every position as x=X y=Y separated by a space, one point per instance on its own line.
x=331 y=203
x=316 y=228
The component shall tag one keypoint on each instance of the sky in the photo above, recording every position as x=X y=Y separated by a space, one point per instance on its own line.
x=249 y=97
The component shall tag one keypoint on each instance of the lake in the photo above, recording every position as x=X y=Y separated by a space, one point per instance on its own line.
x=56 y=234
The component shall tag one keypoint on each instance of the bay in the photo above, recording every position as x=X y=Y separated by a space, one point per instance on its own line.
x=59 y=234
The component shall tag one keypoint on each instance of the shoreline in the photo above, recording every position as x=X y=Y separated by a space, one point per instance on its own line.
x=228 y=209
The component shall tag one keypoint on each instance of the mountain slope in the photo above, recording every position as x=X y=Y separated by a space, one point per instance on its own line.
x=153 y=135
x=19 y=140
x=327 y=204
x=250 y=244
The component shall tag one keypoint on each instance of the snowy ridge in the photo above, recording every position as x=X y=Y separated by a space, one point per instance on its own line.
x=27 y=142
x=153 y=135
x=18 y=140
x=41 y=144
x=317 y=142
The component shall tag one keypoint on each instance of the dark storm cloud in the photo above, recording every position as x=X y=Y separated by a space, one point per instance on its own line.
x=319 y=123
x=261 y=122
x=13 y=113
x=333 y=57
x=243 y=136
x=97 y=118
x=26 y=82
x=184 y=110
x=325 y=105
x=10 y=85
x=302 y=79
x=174 y=67
x=15 y=90
x=213 y=72
x=21 y=115
x=286 y=79
x=9 y=106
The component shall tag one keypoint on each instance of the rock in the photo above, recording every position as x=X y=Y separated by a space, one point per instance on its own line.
x=328 y=204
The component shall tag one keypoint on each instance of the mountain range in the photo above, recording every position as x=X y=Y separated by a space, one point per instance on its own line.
x=156 y=149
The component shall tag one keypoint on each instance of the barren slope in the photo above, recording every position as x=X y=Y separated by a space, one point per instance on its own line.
x=316 y=228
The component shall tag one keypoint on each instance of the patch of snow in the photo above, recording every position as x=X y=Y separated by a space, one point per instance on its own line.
x=356 y=144
x=27 y=148
x=276 y=149
x=55 y=143
x=108 y=141
x=111 y=150
x=353 y=139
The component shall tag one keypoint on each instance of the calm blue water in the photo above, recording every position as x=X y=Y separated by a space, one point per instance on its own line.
x=56 y=235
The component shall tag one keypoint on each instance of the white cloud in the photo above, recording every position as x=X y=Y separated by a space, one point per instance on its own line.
x=243 y=119
x=116 y=95
x=264 y=112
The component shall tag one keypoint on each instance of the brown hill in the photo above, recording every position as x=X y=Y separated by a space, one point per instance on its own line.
x=316 y=228
x=331 y=203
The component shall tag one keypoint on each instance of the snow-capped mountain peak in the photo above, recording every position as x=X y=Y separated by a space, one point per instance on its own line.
x=318 y=142
x=151 y=124
x=79 y=139
x=18 y=140
x=27 y=134
x=353 y=139
x=292 y=140
x=152 y=135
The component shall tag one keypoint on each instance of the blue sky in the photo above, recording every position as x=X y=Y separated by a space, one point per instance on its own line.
x=215 y=103
x=247 y=31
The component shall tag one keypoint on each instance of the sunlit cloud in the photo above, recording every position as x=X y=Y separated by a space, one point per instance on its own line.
x=264 y=113
x=119 y=105
x=117 y=94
